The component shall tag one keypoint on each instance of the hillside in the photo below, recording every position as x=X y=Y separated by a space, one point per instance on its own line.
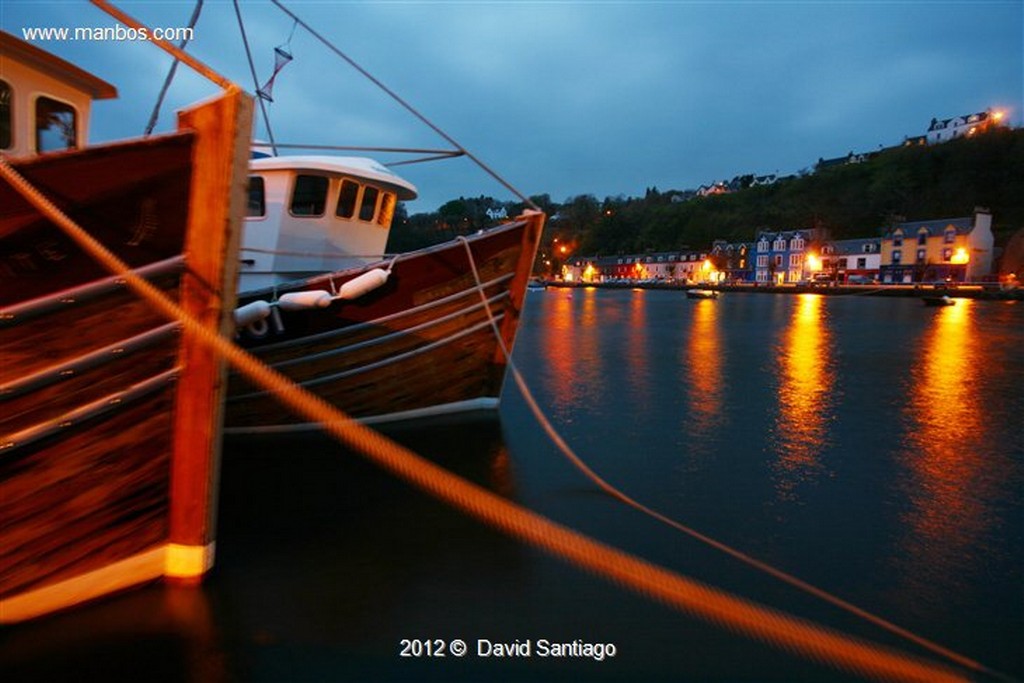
x=905 y=183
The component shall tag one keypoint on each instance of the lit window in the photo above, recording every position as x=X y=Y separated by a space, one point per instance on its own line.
x=897 y=256
x=56 y=125
x=947 y=255
x=369 y=204
x=387 y=209
x=347 y=198
x=257 y=200
x=310 y=195
x=5 y=114
x=920 y=255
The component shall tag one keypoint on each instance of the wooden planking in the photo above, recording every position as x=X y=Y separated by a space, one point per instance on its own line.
x=58 y=399
x=76 y=330
x=95 y=495
x=448 y=373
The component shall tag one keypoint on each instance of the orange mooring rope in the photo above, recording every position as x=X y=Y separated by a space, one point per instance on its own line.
x=791 y=633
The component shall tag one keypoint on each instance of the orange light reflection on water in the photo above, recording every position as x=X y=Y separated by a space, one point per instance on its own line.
x=704 y=364
x=637 y=360
x=574 y=365
x=805 y=371
x=947 y=487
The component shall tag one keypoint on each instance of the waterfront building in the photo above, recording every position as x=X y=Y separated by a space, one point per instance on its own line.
x=946 y=250
x=733 y=260
x=851 y=261
x=781 y=257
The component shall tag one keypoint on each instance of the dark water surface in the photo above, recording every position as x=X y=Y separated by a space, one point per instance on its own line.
x=873 y=447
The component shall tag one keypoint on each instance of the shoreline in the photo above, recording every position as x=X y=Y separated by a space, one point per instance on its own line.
x=970 y=291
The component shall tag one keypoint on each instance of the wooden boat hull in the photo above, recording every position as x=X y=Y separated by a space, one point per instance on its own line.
x=97 y=475
x=420 y=345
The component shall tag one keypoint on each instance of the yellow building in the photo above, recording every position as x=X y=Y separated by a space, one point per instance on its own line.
x=947 y=250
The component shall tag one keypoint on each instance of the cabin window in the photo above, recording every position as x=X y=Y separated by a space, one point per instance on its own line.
x=368 y=207
x=347 y=198
x=257 y=199
x=5 y=114
x=387 y=209
x=310 y=195
x=56 y=125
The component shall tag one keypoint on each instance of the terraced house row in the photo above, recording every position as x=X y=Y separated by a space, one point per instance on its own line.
x=951 y=250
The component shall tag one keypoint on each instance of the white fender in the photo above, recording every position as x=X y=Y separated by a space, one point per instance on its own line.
x=367 y=282
x=251 y=312
x=298 y=301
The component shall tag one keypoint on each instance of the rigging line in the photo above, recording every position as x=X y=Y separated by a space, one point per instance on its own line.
x=408 y=107
x=764 y=567
x=173 y=70
x=420 y=160
x=799 y=636
x=356 y=148
x=255 y=78
x=192 y=62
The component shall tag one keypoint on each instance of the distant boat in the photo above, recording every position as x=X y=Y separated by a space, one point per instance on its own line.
x=701 y=294
x=943 y=300
x=535 y=285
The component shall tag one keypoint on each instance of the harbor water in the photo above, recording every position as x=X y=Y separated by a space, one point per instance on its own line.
x=871 y=447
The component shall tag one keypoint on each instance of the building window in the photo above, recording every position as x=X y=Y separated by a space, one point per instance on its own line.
x=796 y=244
x=309 y=196
x=56 y=125
x=795 y=260
x=5 y=114
x=947 y=255
x=949 y=237
x=920 y=255
x=762 y=261
x=257 y=200
x=897 y=239
x=778 y=259
x=347 y=197
x=762 y=245
x=897 y=257
x=922 y=238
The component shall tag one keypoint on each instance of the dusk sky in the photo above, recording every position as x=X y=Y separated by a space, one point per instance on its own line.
x=569 y=98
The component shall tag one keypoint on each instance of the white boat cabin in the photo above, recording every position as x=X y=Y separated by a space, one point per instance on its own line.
x=44 y=100
x=309 y=215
